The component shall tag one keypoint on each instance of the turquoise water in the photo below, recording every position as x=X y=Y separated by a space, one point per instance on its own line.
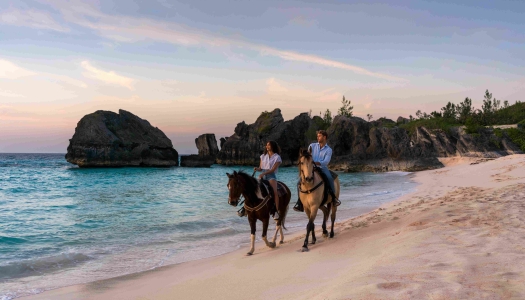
x=61 y=225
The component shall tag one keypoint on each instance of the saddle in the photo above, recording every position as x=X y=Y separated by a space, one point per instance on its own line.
x=267 y=188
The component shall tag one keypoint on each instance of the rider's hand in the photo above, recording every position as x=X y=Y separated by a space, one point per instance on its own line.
x=261 y=176
x=255 y=169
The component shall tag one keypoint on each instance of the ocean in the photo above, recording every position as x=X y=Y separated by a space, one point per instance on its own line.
x=61 y=225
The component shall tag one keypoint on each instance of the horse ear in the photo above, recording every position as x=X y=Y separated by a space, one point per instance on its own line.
x=228 y=174
x=234 y=172
x=310 y=150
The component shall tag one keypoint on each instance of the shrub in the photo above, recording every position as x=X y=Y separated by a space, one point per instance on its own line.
x=472 y=127
x=517 y=136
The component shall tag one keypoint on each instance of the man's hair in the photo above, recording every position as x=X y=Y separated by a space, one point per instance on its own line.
x=323 y=132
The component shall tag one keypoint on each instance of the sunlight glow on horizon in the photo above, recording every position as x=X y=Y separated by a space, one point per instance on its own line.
x=203 y=68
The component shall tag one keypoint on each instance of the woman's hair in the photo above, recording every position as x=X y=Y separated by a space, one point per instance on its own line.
x=275 y=147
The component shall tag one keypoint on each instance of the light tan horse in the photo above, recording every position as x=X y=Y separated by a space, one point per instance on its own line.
x=311 y=191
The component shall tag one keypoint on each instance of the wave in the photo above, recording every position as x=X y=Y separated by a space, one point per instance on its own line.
x=40 y=266
x=11 y=240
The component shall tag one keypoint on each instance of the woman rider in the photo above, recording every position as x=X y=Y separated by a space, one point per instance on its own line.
x=270 y=161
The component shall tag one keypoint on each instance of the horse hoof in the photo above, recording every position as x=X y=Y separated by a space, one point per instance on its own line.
x=313 y=242
x=281 y=242
x=249 y=253
x=271 y=245
x=331 y=234
x=305 y=249
x=325 y=234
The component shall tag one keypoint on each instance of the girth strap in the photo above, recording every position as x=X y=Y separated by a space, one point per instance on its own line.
x=262 y=204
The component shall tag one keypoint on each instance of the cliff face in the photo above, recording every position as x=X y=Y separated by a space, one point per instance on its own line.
x=207 y=147
x=246 y=145
x=360 y=146
x=107 y=139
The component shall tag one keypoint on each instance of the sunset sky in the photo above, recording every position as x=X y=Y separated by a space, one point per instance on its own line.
x=198 y=67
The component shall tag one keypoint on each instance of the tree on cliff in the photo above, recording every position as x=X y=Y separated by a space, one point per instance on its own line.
x=346 y=109
x=327 y=118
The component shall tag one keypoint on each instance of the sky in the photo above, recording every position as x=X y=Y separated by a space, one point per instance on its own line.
x=197 y=67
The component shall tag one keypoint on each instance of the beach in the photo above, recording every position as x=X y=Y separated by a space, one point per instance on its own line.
x=460 y=235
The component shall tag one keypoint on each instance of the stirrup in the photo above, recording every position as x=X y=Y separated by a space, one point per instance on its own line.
x=241 y=212
x=298 y=206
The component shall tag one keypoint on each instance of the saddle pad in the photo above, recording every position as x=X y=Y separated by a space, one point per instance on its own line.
x=281 y=190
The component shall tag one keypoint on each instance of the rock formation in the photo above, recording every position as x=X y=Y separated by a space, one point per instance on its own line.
x=207 y=147
x=107 y=139
x=402 y=120
x=246 y=145
x=359 y=146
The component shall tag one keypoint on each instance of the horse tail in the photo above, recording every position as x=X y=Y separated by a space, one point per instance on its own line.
x=283 y=218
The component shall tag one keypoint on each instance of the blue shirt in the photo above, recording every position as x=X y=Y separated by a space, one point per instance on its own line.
x=321 y=155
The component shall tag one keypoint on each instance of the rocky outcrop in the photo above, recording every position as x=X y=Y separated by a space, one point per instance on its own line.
x=246 y=145
x=402 y=120
x=360 y=146
x=107 y=139
x=207 y=147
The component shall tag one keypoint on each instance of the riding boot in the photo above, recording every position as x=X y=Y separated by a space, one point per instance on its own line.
x=335 y=201
x=298 y=206
x=241 y=212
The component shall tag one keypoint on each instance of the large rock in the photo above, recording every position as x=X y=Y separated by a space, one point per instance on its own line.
x=207 y=147
x=360 y=146
x=107 y=139
x=246 y=145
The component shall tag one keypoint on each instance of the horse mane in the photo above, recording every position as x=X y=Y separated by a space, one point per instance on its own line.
x=304 y=153
x=250 y=183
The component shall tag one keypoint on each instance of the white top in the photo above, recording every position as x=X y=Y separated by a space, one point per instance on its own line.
x=268 y=162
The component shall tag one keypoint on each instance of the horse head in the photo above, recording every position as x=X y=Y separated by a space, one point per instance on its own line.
x=306 y=166
x=235 y=188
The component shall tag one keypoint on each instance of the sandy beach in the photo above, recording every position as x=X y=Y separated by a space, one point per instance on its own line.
x=461 y=235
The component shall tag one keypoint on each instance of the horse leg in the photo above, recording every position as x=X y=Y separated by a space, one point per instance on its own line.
x=334 y=210
x=326 y=212
x=253 y=224
x=308 y=228
x=312 y=219
x=282 y=235
x=265 y=221
x=277 y=227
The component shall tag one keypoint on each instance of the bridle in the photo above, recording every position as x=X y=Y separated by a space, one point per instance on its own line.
x=258 y=207
x=305 y=179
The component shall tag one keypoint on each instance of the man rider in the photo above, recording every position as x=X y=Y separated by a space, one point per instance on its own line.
x=321 y=155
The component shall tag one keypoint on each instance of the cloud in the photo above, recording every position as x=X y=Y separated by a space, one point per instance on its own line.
x=302 y=21
x=31 y=18
x=131 y=29
x=6 y=93
x=107 y=77
x=274 y=87
x=11 y=71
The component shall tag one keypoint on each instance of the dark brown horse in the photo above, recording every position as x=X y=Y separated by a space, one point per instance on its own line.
x=258 y=204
